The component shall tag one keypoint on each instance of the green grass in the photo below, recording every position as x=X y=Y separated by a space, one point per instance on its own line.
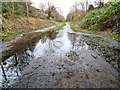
x=60 y=27
x=96 y=19
x=7 y=35
x=101 y=21
x=107 y=34
x=75 y=28
x=97 y=40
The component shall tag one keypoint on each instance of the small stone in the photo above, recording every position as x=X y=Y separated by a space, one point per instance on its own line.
x=62 y=65
x=59 y=68
x=68 y=55
x=111 y=81
x=44 y=60
x=53 y=74
x=21 y=35
x=81 y=76
x=98 y=70
x=39 y=65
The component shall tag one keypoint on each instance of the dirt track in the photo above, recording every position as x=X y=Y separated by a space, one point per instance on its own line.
x=66 y=61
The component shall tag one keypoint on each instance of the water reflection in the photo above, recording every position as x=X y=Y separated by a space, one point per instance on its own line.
x=13 y=66
x=78 y=42
x=22 y=52
x=35 y=45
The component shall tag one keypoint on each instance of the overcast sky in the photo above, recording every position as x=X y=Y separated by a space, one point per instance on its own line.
x=63 y=5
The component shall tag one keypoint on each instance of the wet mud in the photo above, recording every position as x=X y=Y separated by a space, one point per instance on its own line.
x=63 y=59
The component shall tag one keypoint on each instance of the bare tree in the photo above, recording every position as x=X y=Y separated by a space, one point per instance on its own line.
x=81 y=4
x=99 y=3
x=86 y=5
x=51 y=8
x=76 y=6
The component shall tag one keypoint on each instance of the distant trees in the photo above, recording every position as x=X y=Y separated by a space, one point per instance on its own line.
x=81 y=5
x=50 y=9
x=78 y=10
x=25 y=9
x=16 y=8
x=57 y=16
x=91 y=7
x=99 y=3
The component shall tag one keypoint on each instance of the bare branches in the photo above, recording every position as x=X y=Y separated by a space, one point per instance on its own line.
x=99 y=3
x=51 y=8
x=81 y=5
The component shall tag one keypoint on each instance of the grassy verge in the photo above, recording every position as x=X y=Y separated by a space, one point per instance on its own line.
x=107 y=34
x=101 y=21
x=60 y=27
x=7 y=35
x=15 y=26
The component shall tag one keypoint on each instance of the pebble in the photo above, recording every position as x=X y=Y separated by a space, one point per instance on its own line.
x=98 y=70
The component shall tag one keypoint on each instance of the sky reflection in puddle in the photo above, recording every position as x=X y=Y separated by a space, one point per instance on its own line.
x=61 y=43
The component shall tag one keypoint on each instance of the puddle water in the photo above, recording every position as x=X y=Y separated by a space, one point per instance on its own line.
x=35 y=45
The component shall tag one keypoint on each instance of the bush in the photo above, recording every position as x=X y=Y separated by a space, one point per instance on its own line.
x=102 y=18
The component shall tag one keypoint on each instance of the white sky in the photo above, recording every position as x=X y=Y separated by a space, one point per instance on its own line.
x=63 y=5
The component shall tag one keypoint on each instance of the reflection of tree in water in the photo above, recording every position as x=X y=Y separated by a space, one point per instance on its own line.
x=22 y=59
x=53 y=43
x=50 y=39
x=21 y=56
x=51 y=35
x=73 y=38
x=17 y=63
x=76 y=40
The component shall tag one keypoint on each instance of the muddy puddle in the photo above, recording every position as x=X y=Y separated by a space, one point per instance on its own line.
x=47 y=58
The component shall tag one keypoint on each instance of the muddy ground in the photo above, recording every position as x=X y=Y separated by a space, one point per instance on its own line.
x=64 y=59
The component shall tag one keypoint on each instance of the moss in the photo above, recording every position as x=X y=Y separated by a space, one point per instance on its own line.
x=74 y=28
x=60 y=27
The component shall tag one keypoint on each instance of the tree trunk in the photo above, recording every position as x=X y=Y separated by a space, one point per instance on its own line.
x=13 y=8
x=86 y=5
x=27 y=9
x=49 y=13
